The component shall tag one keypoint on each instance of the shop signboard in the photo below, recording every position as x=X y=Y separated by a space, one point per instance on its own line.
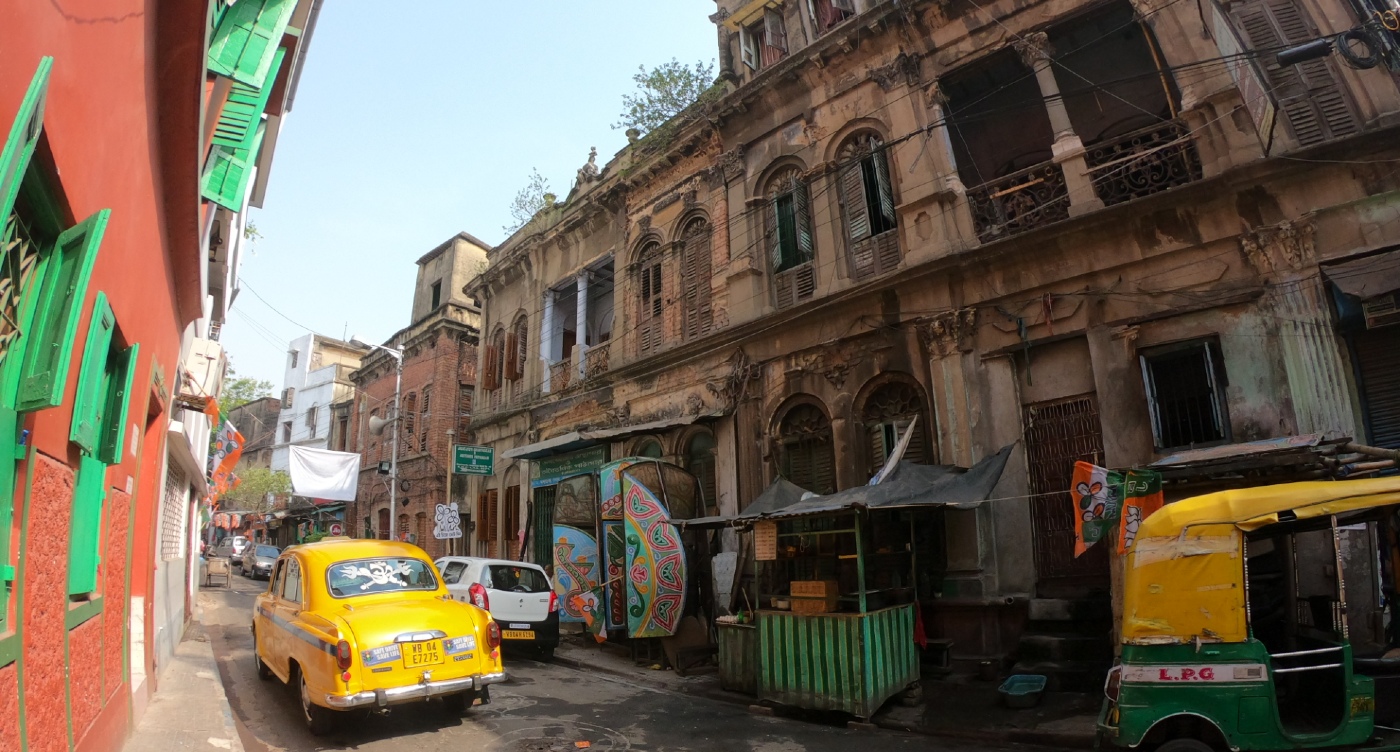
x=550 y=470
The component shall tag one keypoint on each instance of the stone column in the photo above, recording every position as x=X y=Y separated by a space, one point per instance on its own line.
x=1068 y=150
x=546 y=338
x=581 y=321
x=945 y=165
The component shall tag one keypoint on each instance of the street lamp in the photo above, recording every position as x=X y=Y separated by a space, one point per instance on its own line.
x=394 y=452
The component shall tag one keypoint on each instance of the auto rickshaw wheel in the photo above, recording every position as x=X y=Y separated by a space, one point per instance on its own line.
x=1185 y=745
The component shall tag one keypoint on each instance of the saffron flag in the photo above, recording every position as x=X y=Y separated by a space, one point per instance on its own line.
x=1096 y=492
x=1142 y=496
x=228 y=447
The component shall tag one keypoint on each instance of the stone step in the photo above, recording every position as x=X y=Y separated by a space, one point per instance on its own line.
x=1062 y=647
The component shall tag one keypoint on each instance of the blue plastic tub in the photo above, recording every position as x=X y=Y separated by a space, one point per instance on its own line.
x=1022 y=690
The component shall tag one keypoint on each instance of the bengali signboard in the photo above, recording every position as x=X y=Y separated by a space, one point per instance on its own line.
x=473 y=460
x=548 y=471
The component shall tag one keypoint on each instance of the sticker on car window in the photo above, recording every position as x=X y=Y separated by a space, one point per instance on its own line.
x=366 y=576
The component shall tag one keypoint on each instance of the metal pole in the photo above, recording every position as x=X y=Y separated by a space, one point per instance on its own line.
x=394 y=456
x=451 y=476
x=860 y=561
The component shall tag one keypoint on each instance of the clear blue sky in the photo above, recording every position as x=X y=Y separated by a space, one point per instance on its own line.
x=416 y=120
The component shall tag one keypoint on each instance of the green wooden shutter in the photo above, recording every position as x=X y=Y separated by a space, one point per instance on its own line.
x=227 y=172
x=247 y=37
x=802 y=214
x=242 y=113
x=852 y=183
x=114 y=432
x=23 y=139
x=48 y=349
x=90 y=403
x=86 y=528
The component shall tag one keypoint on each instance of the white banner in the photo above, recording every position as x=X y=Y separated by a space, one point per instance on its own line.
x=323 y=474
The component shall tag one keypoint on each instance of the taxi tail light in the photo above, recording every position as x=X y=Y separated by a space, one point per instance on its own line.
x=553 y=601
x=493 y=635
x=477 y=593
x=343 y=655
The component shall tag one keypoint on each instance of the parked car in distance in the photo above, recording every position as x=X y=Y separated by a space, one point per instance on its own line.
x=369 y=624
x=258 y=560
x=518 y=594
x=240 y=544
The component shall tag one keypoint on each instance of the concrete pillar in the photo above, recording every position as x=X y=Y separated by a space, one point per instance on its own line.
x=727 y=477
x=1068 y=149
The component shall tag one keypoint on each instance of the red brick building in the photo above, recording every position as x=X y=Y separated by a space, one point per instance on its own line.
x=439 y=378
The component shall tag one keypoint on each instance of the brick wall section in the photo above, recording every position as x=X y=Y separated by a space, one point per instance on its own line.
x=441 y=361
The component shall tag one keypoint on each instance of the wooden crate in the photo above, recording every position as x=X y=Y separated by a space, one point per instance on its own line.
x=814 y=605
x=815 y=588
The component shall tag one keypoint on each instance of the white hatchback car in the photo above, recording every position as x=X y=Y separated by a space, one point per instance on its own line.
x=519 y=596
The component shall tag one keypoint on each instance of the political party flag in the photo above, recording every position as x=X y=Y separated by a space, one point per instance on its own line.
x=1096 y=492
x=211 y=408
x=1142 y=496
x=228 y=447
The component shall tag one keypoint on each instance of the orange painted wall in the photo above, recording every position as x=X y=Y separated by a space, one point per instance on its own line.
x=101 y=121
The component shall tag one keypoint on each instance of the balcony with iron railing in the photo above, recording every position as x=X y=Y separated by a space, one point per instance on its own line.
x=1021 y=201
x=1143 y=162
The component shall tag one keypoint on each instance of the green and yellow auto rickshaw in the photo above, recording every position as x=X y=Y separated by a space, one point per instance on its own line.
x=1217 y=656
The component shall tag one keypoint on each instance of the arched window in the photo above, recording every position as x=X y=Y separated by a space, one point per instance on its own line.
x=867 y=206
x=886 y=415
x=788 y=233
x=518 y=344
x=409 y=411
x=382 y=532
x=700 y=461
x=493 y=376
x=402 y=532
x=649 y=320
x=647 y=447
x=696 y=272
x=807 y=456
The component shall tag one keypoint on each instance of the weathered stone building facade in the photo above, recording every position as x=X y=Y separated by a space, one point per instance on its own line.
x=439 y=377
x=1097 y=230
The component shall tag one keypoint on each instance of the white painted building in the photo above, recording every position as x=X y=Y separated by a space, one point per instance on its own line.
x=317 y=376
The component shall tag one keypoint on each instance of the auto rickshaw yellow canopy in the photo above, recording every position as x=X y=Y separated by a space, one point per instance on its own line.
x=1184 y=576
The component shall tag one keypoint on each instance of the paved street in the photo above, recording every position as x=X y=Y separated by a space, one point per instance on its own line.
x=543 y=707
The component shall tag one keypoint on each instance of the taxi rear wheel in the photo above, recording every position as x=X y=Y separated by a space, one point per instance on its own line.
x=318 y=719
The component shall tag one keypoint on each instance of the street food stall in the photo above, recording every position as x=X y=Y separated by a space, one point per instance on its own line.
x=835 y=621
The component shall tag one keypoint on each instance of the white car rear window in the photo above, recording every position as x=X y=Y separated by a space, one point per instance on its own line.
x=516 y=579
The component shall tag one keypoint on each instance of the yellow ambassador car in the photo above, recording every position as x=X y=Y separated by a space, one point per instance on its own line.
x=369 y=624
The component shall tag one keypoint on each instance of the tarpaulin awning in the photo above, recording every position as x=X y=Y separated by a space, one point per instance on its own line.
x=1367 y=277
x=781 y=494
x=574 y=440
x=910 y=486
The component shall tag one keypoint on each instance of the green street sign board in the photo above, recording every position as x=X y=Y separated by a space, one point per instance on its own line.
x=473 y=460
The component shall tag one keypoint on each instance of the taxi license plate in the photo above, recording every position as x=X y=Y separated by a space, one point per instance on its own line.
x=518 y=634
x=417 y=654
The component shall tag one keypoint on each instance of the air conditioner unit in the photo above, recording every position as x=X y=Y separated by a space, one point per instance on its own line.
x=1381 y=311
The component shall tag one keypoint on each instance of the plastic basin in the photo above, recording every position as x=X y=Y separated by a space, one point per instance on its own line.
x=1022 y=690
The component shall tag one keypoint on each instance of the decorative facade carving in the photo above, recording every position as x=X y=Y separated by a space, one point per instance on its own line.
x=1288 y=245
x=1033 y=48
x=732 y=162
x=903 y=69
x=946 y=333
x=588 y=173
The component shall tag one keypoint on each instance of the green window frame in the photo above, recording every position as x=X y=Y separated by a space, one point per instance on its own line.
x=15 y=156
x=247 y=37
x=226 y=174
x=99 y=415
x=242 y=113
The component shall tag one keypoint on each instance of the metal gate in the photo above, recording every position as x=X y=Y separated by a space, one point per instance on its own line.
x=1378 y=361
x=543 y=527
x=1058 y=433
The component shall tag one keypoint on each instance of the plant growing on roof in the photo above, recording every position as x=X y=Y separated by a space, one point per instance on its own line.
x=528 y=201
x=664 y=92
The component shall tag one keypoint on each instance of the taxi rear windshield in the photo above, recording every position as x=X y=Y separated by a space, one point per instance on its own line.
x=516 y=579
x=386 y=575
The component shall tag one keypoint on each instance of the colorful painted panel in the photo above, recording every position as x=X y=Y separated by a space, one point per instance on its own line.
x=656 y=568
x=610 y=481
x=615 y=555
x=576 y=574
x=576 y=503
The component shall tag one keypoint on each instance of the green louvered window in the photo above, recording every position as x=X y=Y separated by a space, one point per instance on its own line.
x=61 y=293
x=246 y=39
x=238 y=123
x=228 y=170
x=21 y=264
x=99 y=415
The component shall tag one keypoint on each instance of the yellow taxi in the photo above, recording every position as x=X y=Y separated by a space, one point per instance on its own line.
x=369 y=624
